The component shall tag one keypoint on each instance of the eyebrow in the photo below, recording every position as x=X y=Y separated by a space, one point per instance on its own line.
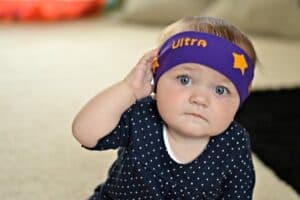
x=193 y=68
x=224 y=80
x=188 y=67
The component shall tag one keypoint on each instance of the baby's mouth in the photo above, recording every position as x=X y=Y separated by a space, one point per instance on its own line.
x=196 y=115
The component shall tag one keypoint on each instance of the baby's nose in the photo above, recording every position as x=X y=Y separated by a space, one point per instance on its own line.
x=200 y=97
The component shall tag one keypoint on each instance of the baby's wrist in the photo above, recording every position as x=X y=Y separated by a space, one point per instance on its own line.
x=130 y=90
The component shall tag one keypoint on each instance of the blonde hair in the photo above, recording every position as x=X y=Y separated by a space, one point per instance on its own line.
x=213 y=26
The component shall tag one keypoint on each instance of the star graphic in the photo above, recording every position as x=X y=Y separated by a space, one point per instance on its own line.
x=155 y=64
x=239 y=62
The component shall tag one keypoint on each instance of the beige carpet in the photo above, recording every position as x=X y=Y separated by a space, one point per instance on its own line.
x=48 y=71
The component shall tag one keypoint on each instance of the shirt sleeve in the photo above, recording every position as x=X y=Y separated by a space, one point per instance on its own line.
x=119 y=137
x=240 y=179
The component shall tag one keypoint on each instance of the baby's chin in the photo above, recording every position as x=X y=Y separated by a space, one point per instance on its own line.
x=194 y=131
x=203 y=130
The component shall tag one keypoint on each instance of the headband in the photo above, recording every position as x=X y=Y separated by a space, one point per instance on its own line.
x=210 y=50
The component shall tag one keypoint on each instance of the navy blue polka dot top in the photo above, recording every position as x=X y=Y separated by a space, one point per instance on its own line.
x=145 y=170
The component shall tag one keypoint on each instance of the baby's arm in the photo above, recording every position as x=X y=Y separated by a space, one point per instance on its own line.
x=102 y=113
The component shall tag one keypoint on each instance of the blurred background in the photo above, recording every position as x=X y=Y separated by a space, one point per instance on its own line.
x=56 y=54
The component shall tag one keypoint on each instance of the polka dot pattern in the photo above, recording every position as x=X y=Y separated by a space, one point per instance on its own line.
x=144 y=169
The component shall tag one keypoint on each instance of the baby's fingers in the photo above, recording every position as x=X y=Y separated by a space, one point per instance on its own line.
x=146 y=61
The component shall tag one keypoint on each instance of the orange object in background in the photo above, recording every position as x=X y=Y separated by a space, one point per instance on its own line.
x=49 y=10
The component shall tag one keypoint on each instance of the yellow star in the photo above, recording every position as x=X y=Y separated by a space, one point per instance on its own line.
x=155 y=64
x=239 y=62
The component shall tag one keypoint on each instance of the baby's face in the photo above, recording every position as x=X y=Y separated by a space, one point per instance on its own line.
x=195 y=100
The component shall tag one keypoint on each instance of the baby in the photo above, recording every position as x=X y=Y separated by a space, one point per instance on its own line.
x=182 y=142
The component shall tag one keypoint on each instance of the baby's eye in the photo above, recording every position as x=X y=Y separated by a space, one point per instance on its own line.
x=221 y=90
x=184 y=79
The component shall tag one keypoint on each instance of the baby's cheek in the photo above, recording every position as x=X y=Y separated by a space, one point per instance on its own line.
x=224 y=119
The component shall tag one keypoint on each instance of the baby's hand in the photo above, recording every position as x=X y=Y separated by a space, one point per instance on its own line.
x=140 y=77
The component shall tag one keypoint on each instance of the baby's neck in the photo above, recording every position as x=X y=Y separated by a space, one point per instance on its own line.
x=186 y=149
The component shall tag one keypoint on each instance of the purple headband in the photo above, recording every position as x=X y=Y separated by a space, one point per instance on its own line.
x=210 y=50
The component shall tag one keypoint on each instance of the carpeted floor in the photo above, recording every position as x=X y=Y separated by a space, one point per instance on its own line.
x=272 y=118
